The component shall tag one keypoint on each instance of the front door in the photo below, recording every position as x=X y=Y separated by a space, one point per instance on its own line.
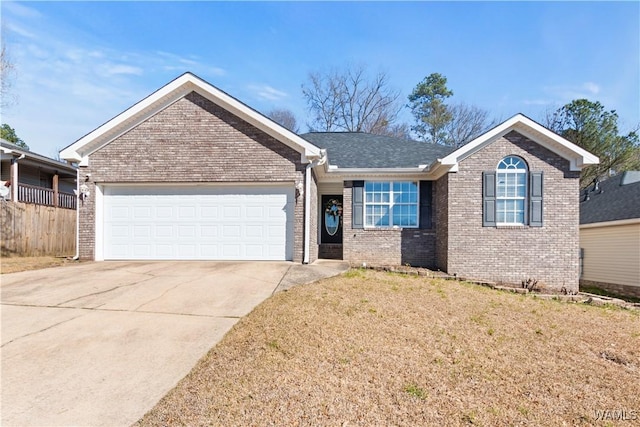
x=331 y=220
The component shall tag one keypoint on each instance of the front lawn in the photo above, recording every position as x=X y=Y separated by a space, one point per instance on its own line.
x=374 y=348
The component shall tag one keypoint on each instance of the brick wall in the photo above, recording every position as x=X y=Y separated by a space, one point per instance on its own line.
x=409 y=246
x=549 y=254
x=441 y=214
x=193 y=140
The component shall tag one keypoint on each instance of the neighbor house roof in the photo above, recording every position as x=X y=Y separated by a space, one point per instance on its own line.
x=358 y=150
x=167 y=95
x=9 y=150
x=615 y=199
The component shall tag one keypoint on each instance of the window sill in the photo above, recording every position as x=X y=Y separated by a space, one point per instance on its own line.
x=512 y=226
x=396 y=228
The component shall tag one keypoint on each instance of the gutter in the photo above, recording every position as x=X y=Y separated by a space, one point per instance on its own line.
x=307 y=202
x=77 y=255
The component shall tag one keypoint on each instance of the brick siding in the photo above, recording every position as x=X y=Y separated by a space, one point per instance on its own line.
x=192 y=140
x=549 y=254
x=409 y=246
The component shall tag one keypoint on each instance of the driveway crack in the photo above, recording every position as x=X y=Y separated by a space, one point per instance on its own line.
x=162 y=294
x=105 y=291
x=41 y=330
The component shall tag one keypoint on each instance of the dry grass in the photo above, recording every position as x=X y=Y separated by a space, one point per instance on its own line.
x=16 y=264
x=373 y=348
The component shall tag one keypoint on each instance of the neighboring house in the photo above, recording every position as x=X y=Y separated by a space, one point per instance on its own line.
x=610 y=234
x=192 y=173
x=33 y=178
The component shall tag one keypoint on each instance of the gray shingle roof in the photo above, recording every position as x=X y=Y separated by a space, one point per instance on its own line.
x=617 y=198
x=365 y=150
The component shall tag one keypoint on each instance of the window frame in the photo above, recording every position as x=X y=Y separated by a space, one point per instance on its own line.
x=516 y=185
x=391 y=204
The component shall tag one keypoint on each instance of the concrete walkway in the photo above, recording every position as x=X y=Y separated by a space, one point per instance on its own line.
x=101 y=343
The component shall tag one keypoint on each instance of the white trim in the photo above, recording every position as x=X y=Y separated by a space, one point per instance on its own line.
x=307 y=214
x=577 y=157
x=307 y=204
x=167 y=95
x=98 y=253
x=611 y=223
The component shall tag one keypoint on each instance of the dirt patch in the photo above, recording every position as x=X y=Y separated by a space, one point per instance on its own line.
x=16 y=264
x=376 y=348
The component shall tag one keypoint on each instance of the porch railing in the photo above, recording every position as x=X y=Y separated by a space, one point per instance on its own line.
x=45 y=196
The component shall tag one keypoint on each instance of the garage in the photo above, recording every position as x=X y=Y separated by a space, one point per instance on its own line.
x=194 y=222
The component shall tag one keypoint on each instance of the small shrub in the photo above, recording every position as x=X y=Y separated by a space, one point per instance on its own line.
x=530 y=284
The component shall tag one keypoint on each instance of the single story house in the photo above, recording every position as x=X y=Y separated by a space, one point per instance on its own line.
x=610 y=234
x=29 y=177
x=191 y=173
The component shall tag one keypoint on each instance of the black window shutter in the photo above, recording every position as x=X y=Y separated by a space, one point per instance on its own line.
x=426 y=204
x=489 y=199
x=357 y=205
x=535 y=199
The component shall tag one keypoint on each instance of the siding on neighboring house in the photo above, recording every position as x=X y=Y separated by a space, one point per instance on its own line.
x=612 y=257
x=191 y=141
x=549 y=254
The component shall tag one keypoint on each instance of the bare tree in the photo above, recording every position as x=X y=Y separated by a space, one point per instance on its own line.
x=350 y=100
x=7 y=72
x=399 y=130
x=467 y=122
x=284 y=118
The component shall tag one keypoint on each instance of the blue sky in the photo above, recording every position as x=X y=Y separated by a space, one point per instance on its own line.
x=79 y=64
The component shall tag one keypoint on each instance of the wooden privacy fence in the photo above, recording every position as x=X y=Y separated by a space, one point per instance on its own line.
x=37 y=230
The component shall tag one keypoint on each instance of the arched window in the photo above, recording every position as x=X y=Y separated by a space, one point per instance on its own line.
x=511 y=191
x=512 y=194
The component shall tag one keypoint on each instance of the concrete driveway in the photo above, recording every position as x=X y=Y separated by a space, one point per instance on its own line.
x=101 y=343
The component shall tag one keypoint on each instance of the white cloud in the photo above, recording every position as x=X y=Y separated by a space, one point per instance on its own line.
x=267 y=92
x=591 y=87
x=19 y=9
x=537 y=102
x=18 y=29
x=566 y=93
x=123 y=69
x=67 y=86
x=216 y=71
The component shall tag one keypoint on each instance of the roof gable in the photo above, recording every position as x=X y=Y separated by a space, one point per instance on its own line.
x=578 y=157
x=167 y=95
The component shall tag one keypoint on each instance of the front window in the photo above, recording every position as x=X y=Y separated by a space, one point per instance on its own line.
x=391 y=204
x=511 y=191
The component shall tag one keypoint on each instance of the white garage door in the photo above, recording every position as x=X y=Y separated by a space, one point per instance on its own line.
x=196 y=223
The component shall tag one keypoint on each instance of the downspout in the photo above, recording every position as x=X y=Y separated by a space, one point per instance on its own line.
x=307 y=202
x=77 y=255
